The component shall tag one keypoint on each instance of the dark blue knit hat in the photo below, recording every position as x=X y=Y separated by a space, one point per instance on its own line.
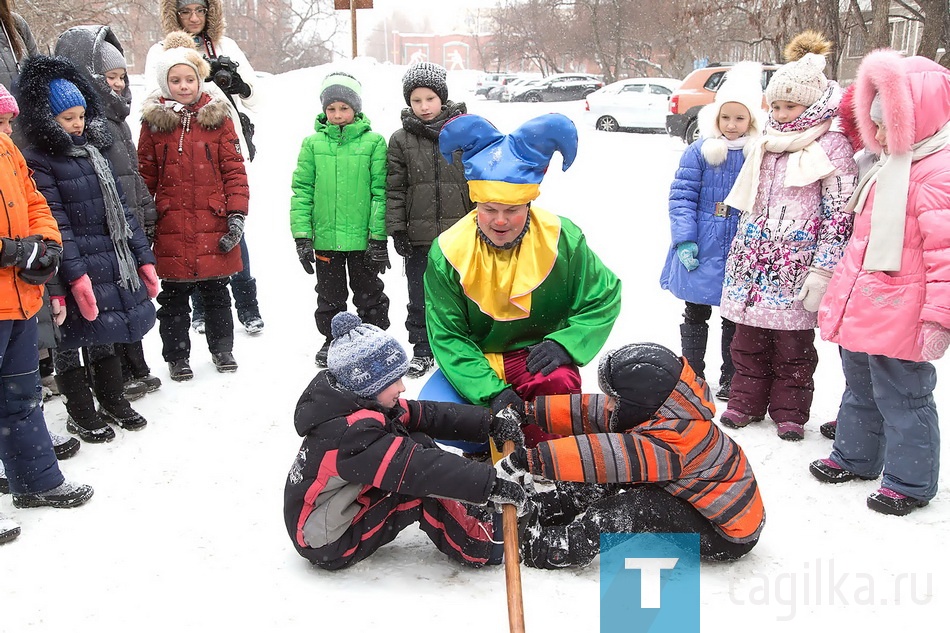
x=362 y=357
x=64 y=95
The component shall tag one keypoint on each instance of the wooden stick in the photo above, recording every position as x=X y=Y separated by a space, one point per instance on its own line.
x=509 y=520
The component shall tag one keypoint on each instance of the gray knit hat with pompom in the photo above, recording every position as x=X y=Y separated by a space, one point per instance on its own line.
x=363 y=358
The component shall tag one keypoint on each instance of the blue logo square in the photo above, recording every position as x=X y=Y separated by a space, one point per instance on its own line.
x=649 y=582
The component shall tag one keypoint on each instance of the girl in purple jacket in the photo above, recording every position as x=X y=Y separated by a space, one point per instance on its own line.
x=793 y=227
x=888 y=303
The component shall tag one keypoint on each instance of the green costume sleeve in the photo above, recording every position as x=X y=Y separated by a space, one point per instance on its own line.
x=301 y=202
x=595 y=301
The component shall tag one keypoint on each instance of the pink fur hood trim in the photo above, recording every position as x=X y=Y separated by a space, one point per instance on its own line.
x=915 y=95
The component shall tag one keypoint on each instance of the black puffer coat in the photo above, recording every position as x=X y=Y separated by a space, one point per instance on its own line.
x=71 y=188
x=82 y=45
x=424 y=194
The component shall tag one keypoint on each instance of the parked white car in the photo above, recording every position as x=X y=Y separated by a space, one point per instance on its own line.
x=640 y=103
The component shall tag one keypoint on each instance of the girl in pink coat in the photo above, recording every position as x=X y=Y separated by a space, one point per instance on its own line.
x=888 y=303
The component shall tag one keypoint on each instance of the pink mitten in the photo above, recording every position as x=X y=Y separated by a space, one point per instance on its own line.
x=934 y=340
x=58 y=309
x=150 y=279
x=85 y=298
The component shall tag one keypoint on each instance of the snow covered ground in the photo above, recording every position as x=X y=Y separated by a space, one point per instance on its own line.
x=185 y=532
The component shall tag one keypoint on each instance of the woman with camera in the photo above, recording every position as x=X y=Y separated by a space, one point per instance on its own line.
x=231 y=79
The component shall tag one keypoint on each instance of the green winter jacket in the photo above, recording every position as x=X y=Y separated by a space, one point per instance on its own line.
x=576 y=306
x=339 y=186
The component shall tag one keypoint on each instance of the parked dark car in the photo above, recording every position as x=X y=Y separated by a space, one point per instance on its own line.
x=561 y=87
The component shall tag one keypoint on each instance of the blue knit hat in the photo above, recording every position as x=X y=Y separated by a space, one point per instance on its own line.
x=64 y=95
x=362 y=357
x=508 y=168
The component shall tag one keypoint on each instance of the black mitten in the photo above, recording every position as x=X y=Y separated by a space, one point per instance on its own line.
x=545 y=357
x=506 y=425
x=45 y=266
x=239 y=87
x=507 y=398
x=150 y=233
x=305 y=254
x=235 y=231
x=22 y=252
x=504 y=491
x=402 y=244
x=377 y=254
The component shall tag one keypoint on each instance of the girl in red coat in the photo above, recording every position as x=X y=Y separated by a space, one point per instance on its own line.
x=190 y=159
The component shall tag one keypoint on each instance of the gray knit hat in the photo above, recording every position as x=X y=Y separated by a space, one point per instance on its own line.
x=181 y=4
x=425 y=75
x=341 y=87
x=362 y=357
x=802 y=82
x=110 y=58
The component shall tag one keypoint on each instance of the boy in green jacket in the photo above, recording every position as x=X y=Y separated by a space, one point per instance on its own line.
x=338 y=209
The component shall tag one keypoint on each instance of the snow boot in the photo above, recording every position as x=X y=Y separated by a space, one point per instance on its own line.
x=253 y=325
x=559 y=546
x=887 y=501
x=9 y=529
x=179 y=370
x=828 y=429
x=65 y=495
x=83 y=419
x=64 y=447
x=693 y=338
x=419 y=366
x=321 y=358
x=737 y=420
x=113 y=406
x=831 y=472
x=224 y=361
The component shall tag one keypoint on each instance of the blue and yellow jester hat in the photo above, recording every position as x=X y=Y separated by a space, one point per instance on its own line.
x=508 y=168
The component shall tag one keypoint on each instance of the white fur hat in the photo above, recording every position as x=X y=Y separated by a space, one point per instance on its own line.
x=742 y=84
x=180 y=49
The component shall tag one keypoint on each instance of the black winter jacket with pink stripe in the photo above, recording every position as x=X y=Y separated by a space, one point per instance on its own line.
x=353 y=444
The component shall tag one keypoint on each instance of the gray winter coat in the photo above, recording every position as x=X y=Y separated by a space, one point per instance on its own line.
x=9 y=70
x=424 y=194
x=83 y=46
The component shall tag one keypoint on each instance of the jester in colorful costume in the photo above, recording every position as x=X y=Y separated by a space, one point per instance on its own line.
x=517 y=301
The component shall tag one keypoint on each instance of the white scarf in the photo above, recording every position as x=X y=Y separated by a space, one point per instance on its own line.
x=807 y=162
x=892 y=175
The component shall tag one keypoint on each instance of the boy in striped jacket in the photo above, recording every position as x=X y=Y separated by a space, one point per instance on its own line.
x=642 y=457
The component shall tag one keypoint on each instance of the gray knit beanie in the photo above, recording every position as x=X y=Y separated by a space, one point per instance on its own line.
x=362 y=357
x=425 y=75
x=111 y=58
x=877 y=109
x=341 y=87
x=181 y=4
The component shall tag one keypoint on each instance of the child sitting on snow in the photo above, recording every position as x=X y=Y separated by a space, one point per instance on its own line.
x=368 y=466
x=649 y=459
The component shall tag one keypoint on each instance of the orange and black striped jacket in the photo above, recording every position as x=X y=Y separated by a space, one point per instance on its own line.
x=680 y=450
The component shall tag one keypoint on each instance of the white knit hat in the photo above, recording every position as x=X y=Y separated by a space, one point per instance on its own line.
x=802 y=82
x=180 y=49
x=743 y=85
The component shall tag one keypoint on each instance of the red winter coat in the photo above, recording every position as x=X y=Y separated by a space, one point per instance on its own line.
x=197 y=177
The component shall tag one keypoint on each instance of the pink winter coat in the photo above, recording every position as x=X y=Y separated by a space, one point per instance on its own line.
x=881 y=313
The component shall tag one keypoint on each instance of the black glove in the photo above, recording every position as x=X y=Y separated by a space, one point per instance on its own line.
x=305 y=254
x=506 y=425
x=235 y=231
x=504 y=491
x=514 y=466
x=22 y=252
x=507 y=398
x=239 y=87
x=150 y=233
x=377 y=253
x=402 y=244
x=545 y=357
x=44 y=266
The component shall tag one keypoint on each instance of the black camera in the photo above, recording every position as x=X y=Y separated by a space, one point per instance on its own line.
x=223 y=71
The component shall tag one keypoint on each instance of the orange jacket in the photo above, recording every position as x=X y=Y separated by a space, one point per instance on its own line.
x=25 y=213
x=680 y=450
